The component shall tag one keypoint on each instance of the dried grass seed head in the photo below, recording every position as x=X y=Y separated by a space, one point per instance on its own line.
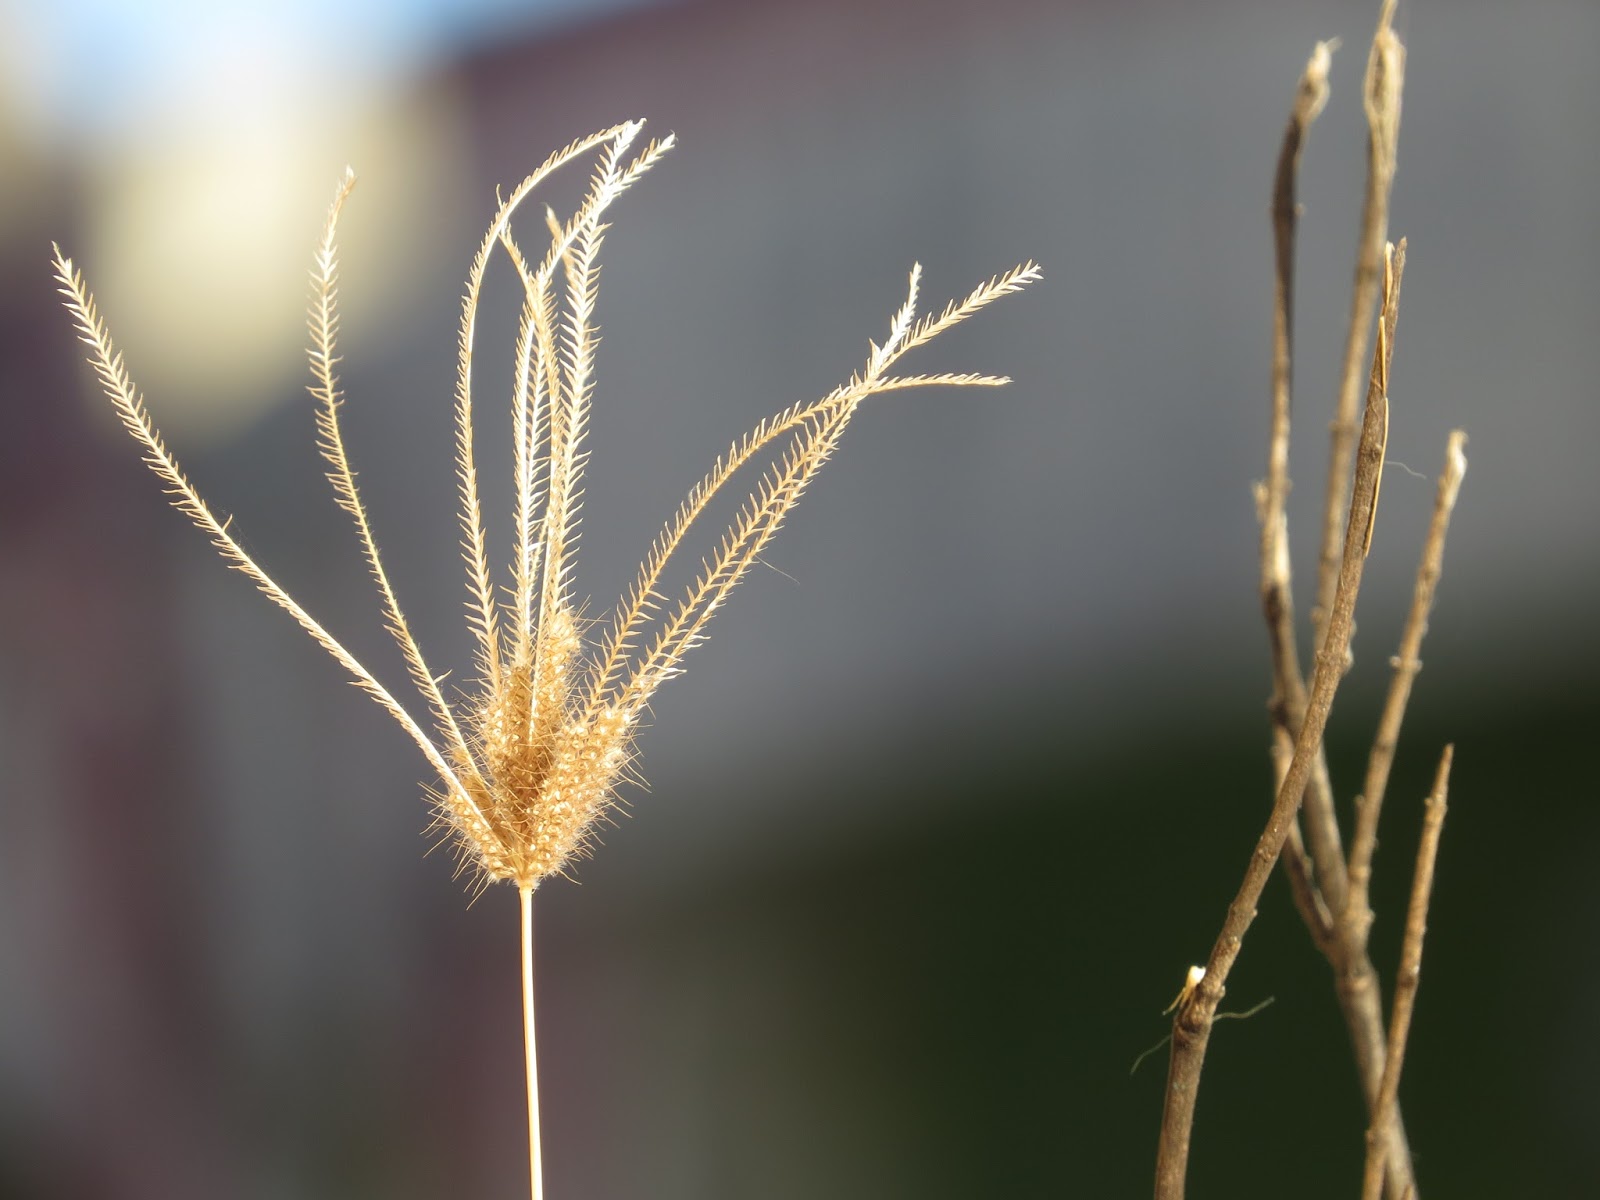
x=532 y=758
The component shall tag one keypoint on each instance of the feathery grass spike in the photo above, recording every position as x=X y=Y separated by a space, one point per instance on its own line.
x=531 y=759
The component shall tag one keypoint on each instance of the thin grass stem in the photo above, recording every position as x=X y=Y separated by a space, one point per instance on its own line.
x=534 y=762
x=535 y=1163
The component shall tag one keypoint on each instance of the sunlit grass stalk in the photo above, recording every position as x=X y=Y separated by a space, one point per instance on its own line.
x=530 y=1046
x=533 y=756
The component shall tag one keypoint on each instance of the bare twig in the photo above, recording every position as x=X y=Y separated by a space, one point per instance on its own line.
x=1406 y=664
x=1288 y=700
x=1381 y=96
x=1405 y=988
x=1308 y=899
x=1318 y=883
x=1361 y=1003
x=1356 y=980
x=1191 y=1027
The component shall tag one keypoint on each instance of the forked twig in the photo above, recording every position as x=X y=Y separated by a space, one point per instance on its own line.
x=1335 y=911
x=1318 y=884
x=1353 y=965
x=1191 y=1028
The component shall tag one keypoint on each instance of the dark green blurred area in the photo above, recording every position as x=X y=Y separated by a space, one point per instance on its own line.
x=961 y=1003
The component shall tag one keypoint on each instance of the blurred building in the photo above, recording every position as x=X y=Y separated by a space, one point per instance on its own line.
x=959 y=788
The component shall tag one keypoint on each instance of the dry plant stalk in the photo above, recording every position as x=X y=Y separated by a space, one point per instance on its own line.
x=1319 y=884
x=1405 y=986
x=1329 y=888
x=1381 y=90
x=1191 y=1028
x=534 y=756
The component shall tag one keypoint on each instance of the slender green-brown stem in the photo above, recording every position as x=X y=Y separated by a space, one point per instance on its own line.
x=535 y=1166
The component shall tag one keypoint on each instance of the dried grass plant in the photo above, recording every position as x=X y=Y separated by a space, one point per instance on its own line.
x=530 y=759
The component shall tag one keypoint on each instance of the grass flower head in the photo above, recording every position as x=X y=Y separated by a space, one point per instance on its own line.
x=529 y=760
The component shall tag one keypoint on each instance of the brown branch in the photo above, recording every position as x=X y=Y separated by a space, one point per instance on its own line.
x=1360 y=999
x=1277 y=602
x=1357 y=914
x=1317 y=881
x=1191 y=1026
x=1405 y=988
x=1308 y=900
x=1381 y=95
x=1356 y=980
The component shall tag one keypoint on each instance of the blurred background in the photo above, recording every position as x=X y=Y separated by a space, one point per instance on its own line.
x=961 y=786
